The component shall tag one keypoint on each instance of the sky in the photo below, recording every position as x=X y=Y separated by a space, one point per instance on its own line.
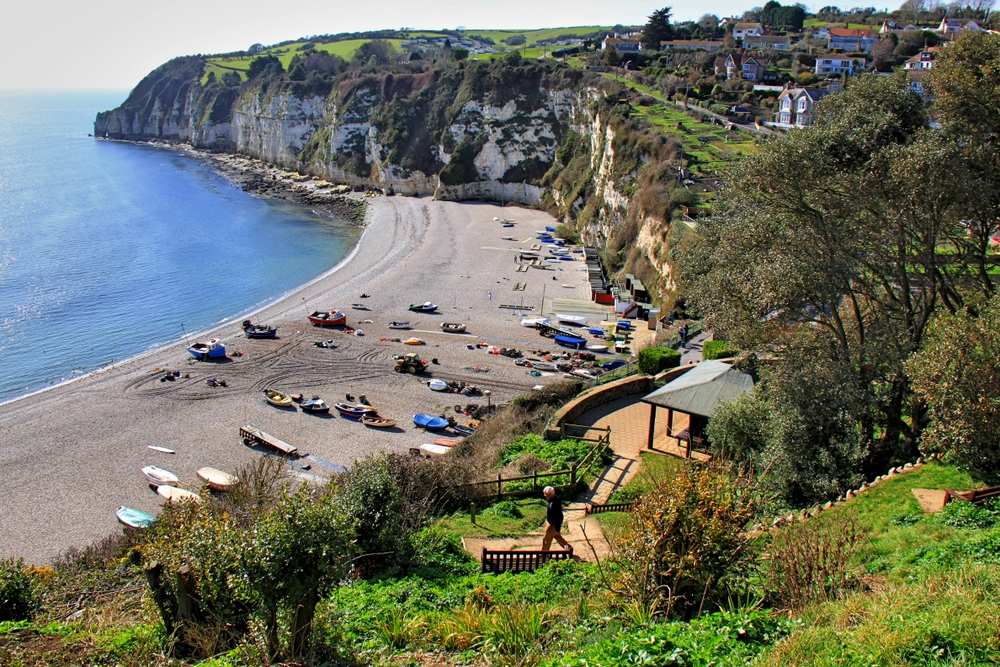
x=50 y=44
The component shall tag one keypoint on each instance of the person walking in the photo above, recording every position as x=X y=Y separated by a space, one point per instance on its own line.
x=554 y=519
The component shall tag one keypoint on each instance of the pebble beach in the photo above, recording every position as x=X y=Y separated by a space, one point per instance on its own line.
x=71 y=455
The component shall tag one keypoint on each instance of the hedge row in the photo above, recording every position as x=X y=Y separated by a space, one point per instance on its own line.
x=655 y=360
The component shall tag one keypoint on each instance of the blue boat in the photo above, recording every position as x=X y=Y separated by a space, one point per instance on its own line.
x=567 y=259
x=571 y=341
x=596 y=331
x=134 y=518
x=213 y=349
x=550 y=229
x=430 y=422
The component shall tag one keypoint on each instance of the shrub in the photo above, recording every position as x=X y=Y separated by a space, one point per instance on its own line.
x=17 y=594
x=437 y=553
x=719 y=349
x=720 y=109
x=653 y=360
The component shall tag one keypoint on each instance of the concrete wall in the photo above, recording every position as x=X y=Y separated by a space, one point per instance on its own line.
x=597 y=396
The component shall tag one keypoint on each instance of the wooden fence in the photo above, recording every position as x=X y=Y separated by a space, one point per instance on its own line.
x=612 y=507
x=576 y=472
x=520 y=561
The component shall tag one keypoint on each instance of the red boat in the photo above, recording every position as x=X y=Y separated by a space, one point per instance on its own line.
x=328 y=318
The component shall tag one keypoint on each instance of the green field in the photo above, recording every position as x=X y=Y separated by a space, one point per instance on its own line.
x=534 y=36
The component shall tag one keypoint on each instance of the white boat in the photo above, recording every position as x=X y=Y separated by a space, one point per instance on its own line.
x=159 y=476
x=597 y=348
x=533 y=322
x=399 y=325
x=436 y=450
x=165 y=450
x=572 y=319
x=438 y=385
x=216 y=479
x=544 y=366
x=176 y=495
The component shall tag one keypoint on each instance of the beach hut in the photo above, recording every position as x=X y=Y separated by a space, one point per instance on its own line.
x=697 y=393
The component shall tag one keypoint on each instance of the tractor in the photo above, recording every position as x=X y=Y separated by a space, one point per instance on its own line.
x=410 y=363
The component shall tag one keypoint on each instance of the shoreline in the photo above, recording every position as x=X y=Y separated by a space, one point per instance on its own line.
x=72 y=452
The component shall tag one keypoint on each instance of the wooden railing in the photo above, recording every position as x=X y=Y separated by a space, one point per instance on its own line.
x=576 y=472
x=611 y=507
x=520 y=561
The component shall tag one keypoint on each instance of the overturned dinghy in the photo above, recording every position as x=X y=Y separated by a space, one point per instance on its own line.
x=216 y=479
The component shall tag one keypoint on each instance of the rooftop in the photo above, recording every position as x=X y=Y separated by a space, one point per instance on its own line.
x=702 y=389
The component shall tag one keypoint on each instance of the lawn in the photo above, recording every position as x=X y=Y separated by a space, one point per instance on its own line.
x=533 y=36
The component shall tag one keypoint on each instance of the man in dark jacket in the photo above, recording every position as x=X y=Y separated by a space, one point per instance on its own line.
x=554 y=519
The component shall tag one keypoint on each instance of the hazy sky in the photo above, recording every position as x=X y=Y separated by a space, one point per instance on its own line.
x=75 y=44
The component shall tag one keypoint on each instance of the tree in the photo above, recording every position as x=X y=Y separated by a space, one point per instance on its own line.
x=658 y=29
x=264 y=65
x=377 y=52
x=839 y=239
x=957 y=372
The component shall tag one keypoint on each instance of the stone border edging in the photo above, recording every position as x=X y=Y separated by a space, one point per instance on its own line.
x=596 y=397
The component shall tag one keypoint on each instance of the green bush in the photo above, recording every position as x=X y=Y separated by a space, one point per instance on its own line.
x=654 y=360
x=437 y=554
x=505 y=508
x=17 y=594
x=719 y=349
x=720 y=109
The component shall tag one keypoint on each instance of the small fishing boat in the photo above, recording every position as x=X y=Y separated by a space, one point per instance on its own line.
x=550 y=229
x=567 y=259
x=159 y=476
x=157 y=448
x=532 y=322
x=571 y=341
x=277 y=398
x=259 y=330
x=354 y=411
x=430 y=422
x=452 y=327
x=359 y=306
x=425 y=307
x=399 y=325
x=213 y=349
x=315 y=404
x=597 y=331
x=435 y=450
x=580 y=320
x=328 y=318
x=508 y=224
x=378 y=422
x=175 y=495
x=134 y=518
x=216 y=479
x=438 y=385
x=544 y=366
x=413 y=341
x=597 y=348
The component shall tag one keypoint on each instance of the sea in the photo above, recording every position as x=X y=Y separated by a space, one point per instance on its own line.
x=109 y=249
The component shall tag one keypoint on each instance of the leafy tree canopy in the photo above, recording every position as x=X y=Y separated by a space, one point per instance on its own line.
x=658 y=29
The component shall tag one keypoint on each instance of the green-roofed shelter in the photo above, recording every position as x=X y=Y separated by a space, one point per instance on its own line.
x=697 y=393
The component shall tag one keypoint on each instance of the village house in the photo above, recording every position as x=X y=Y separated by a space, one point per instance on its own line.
x=838 y=65
x=951 y=27
x=850 y=39
x=692 y=44
x=892 y=26
x=741 y=30
x=621 y=45
x=742 y=66
x=923 y=60
x=795 y=106
x=767 y=42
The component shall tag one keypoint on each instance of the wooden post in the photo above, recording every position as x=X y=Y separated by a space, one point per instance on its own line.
x=472 y=513
x=652 y=426
x=534 y=481
x=572 y=476
x=562 y=431
x=687 y=454
x=154 y=577
x=187 y=595
x=670 y=421
x=499 y=485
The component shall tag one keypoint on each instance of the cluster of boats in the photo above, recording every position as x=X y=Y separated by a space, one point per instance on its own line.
x=362 y=412
x=168 y=486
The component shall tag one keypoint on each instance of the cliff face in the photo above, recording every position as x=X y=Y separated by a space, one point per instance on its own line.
x=532 y=134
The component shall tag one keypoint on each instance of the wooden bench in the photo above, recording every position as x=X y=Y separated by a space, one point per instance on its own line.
x=611 y=507
x=519 y=561
x=976 y=496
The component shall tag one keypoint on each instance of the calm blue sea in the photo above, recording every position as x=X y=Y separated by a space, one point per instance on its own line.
x=107 y=249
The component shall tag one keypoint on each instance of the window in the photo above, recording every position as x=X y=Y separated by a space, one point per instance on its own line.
x=802 y=105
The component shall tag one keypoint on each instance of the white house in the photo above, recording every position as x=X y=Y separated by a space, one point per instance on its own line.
x=741 y=30
x=954 y=26
x=767 y=42
x=621 y=45
x=834 y=64
x=923 y=60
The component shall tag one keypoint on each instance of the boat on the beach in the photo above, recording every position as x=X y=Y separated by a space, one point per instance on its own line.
x=532 y=322
x=176 y=495
x=597 y=348
x=134 y=518
x=550 y=229
x=452 y=327
x=259 y=330
x=570 y=341
x=436 y=450
x=212 y=349
x=216 y=479
x=354 y=411
x=315 y=404
x=277 y=398
x=359 y=306
x=430 y=422
x=399 y=325
x=159 y=476
x=164 y=450
x=580 y=320
x=378 y=422
x=544 y=366
x=414 y=341
x=437 y=385
x=425 y=307
x=328 y=318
